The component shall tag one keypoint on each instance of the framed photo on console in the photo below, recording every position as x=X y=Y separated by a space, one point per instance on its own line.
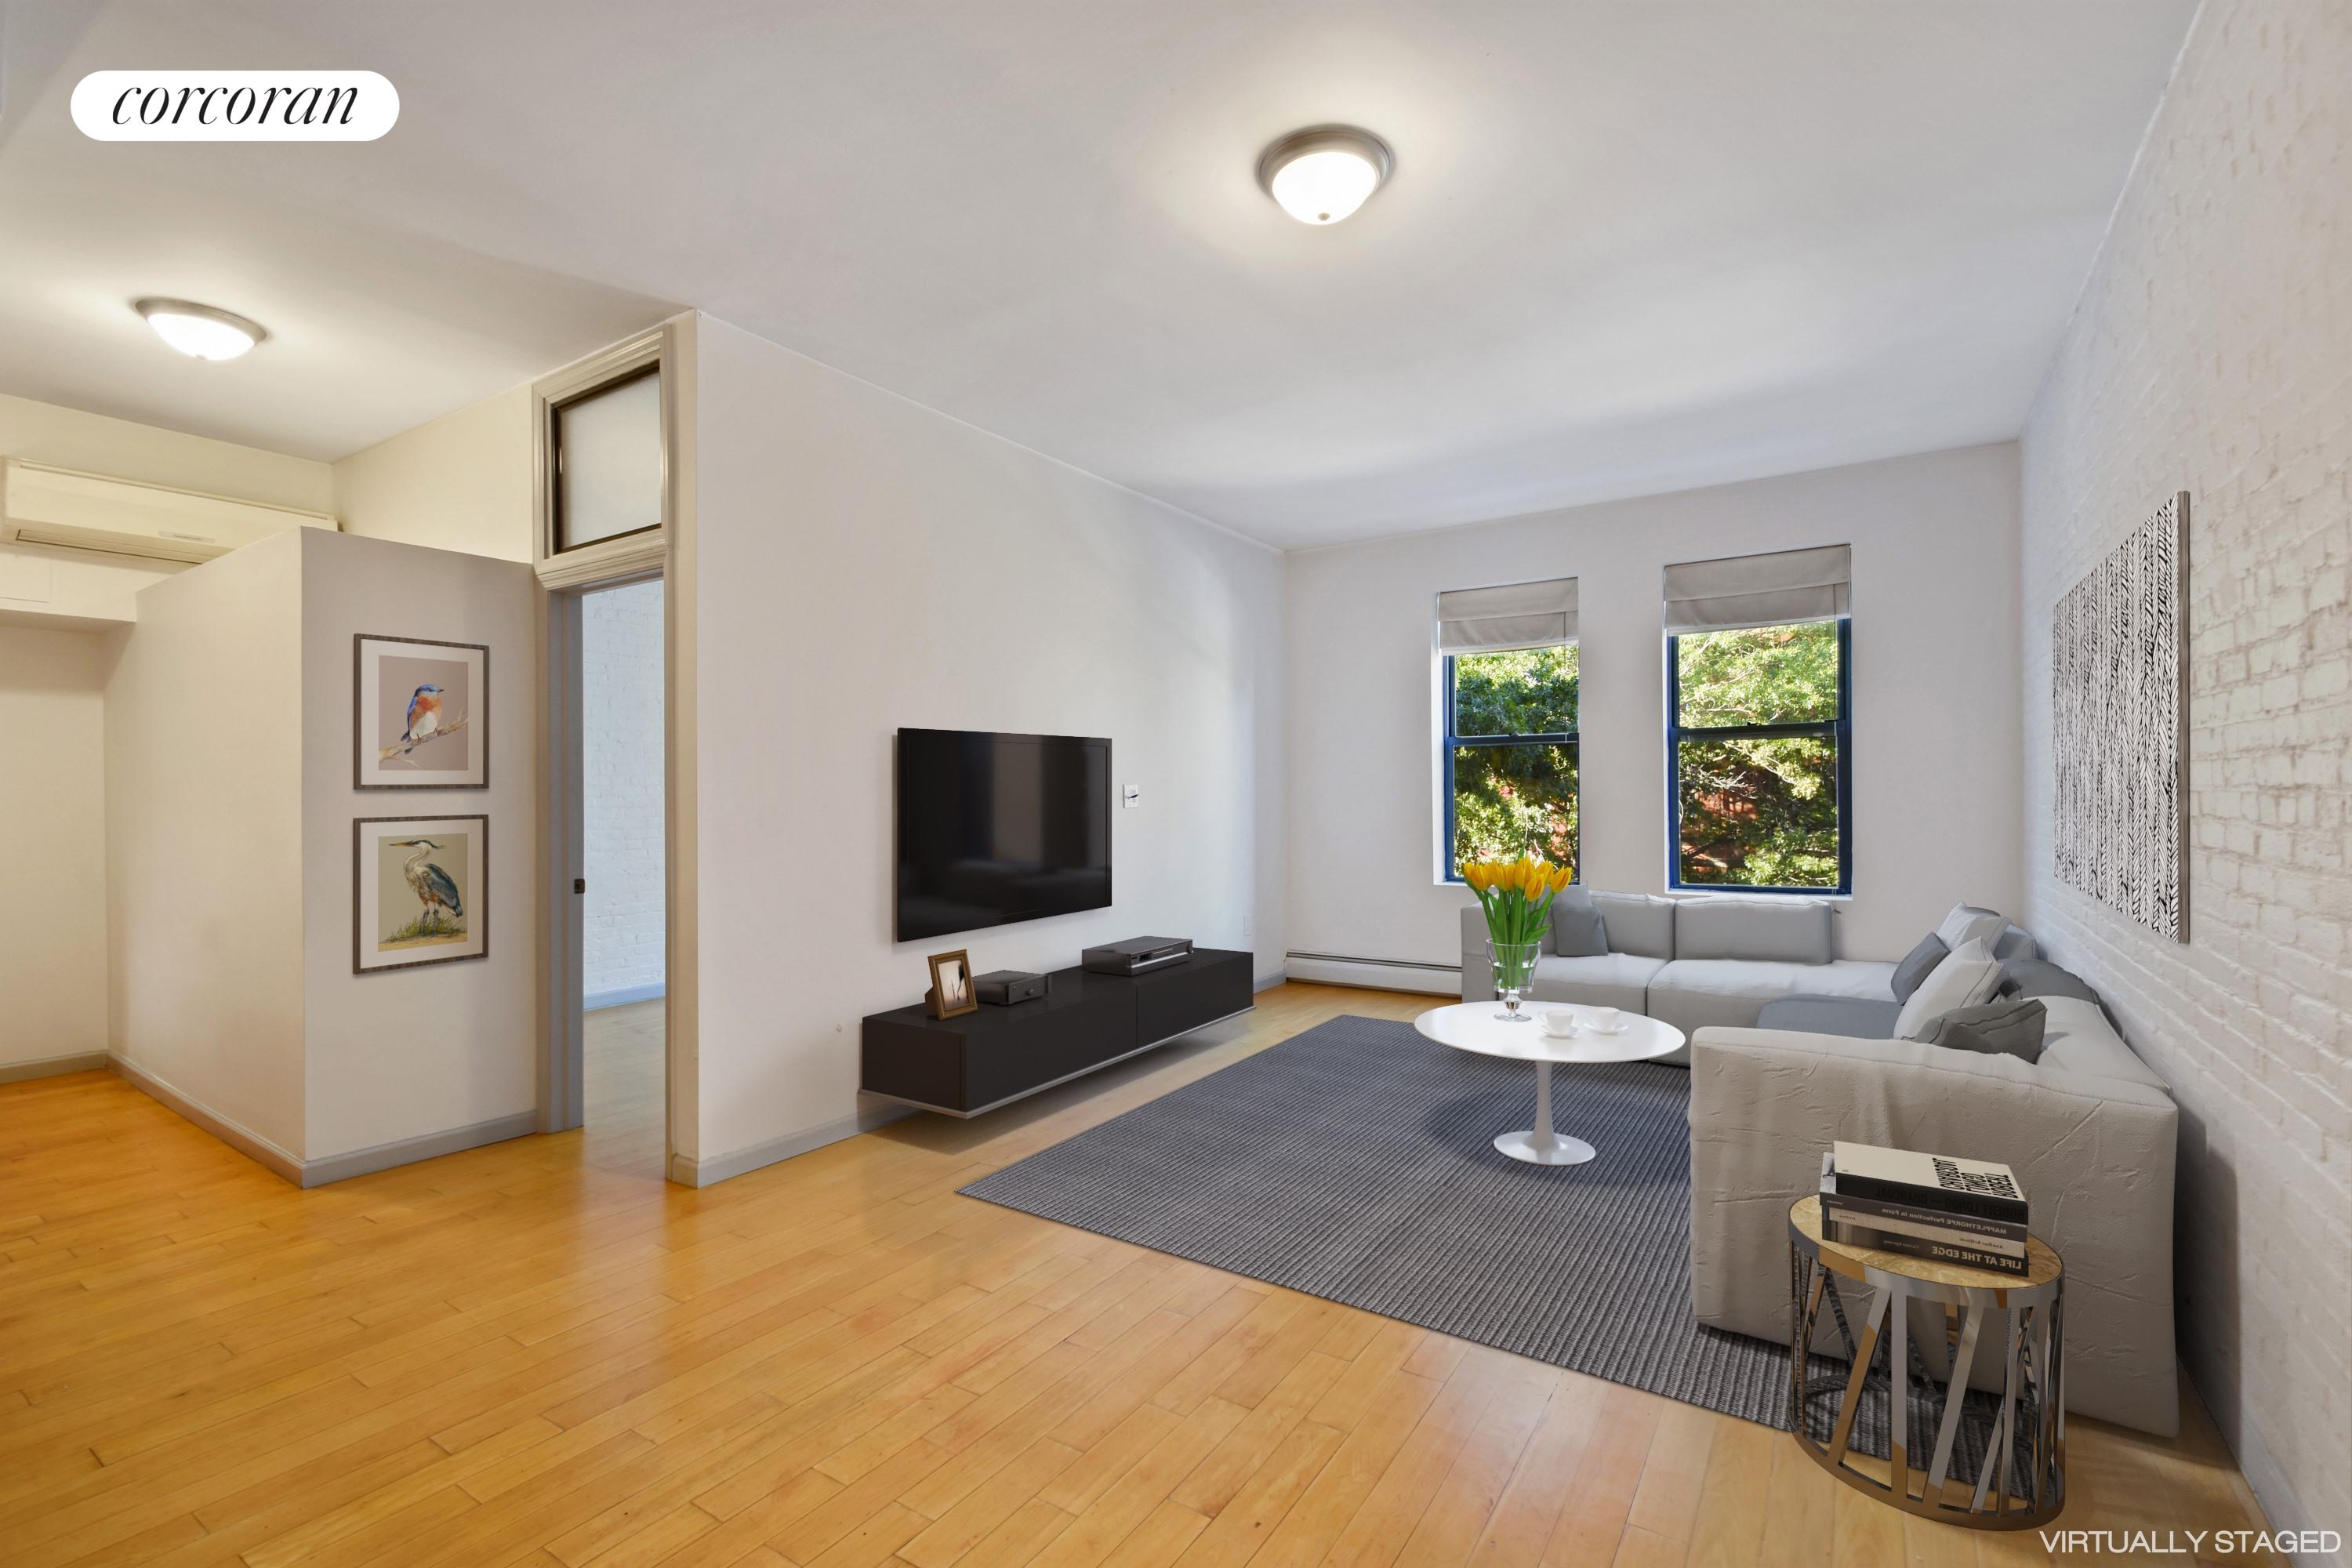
x=419 y=892
x=951 y=994
x=420 y=714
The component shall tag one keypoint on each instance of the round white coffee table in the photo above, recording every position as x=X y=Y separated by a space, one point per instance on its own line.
x=1472 y=1027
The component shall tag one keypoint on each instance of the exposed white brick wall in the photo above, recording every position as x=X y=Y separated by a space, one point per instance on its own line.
x=620 y=753
x=2213 y=351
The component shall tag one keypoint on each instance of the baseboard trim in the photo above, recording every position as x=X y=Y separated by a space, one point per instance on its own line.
x=244 y=1140
x=1377 y=973
x=622 y=997
x=689 y=1172
x=332 y=1167
x=1267 y=981
x=52 y=1066
x=408 y=1151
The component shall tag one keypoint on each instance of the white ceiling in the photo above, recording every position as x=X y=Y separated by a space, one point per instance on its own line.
x=1629 y=247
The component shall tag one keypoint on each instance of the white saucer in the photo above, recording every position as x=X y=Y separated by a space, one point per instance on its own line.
x=1597 y=1029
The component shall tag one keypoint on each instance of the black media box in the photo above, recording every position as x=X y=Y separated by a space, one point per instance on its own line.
x=1005 y=986
x=1138 y=955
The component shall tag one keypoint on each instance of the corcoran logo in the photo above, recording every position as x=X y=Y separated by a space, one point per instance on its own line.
x=235 y=106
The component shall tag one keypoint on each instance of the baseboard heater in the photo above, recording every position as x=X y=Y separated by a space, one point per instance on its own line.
x=1379 y=974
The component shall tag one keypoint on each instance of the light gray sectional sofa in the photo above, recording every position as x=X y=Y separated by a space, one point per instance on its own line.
x=1692 y=962
x=2091 y=1131
x=1791 y=1050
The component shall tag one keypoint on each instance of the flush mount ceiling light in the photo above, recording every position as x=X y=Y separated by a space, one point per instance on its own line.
x=199 y=330
x=1324 y=172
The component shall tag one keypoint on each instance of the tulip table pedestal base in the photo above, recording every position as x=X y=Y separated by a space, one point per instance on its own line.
x=1470 y=1027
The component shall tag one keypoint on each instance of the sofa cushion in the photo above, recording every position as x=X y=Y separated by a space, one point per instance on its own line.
x=1917 y=964
x=2016 y=941
x=1605 y=980
x=1967 y=924
x=1577 y=929
x=2039 y=977
x=1699 y=993
x=1780 y=930
x=1856 y=1018
x=1966 y=977
x=2078 y=1038
x=2011 y=1027
x=1640 y=923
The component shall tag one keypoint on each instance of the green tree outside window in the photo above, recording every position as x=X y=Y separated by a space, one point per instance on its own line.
x=1511 y=739
x=1757 y=730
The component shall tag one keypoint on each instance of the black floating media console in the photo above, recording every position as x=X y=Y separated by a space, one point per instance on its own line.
x=978 y=1061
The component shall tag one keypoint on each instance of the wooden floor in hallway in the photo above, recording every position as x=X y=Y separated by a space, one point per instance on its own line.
x=540 y=1353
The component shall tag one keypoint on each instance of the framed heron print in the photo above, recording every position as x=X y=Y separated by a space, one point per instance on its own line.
x=419 y=886
x=420 y=714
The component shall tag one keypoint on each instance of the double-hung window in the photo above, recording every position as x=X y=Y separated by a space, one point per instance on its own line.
x=1760 y=722
x=1508 y=740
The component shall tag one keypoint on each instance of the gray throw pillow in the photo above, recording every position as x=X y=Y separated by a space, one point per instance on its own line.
x=2039 y=977
x=2011 y=1027
x=1577 y=929
x=1917 y=964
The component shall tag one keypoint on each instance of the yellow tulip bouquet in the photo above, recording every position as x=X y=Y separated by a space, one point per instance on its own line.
x=1517 y=896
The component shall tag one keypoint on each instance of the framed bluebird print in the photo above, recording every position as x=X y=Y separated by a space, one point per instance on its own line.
x=420 y=714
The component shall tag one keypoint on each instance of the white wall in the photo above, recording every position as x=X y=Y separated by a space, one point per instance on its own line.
x=1935 y=723
x=2208 y=352
x=405 y=1053
x=861 y=564
x=621 y=789
x=77 y=581
x=203 y=841
x=52 y=845
x=462 y=482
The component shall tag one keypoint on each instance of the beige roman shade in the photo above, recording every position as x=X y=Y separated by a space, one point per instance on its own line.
x=1760 y=590
x=1516 y=614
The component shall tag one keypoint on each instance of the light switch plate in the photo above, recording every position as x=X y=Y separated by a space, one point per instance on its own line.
x=1131 y=795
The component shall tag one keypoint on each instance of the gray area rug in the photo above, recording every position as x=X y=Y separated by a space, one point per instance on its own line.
x=1356 y=1162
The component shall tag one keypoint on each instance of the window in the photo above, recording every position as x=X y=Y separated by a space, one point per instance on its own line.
x=1758 y=747
x=1510 y=755
x=605 y=449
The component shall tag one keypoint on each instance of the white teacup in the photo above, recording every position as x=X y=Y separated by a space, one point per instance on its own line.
x=1559 y=1022
x=1606 y=1020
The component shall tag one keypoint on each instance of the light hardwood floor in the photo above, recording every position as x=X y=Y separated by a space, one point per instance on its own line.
x=540 y=1353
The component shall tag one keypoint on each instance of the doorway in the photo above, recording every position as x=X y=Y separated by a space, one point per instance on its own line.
x=623 y=960
x=611 y=967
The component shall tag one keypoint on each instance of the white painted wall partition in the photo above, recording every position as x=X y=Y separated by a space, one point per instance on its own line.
x=856 y=563
x=204 y=844
x=229 y=810
x=408 y=1061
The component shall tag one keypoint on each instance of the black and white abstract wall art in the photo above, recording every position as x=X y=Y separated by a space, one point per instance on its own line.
x=2120 y=664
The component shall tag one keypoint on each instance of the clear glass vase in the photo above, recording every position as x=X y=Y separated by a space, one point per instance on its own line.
x=1514 y=961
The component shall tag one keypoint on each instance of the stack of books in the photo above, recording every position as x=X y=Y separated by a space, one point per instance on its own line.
x=1967 y=1212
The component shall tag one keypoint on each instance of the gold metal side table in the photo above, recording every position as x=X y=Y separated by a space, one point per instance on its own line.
x=2019 y=1318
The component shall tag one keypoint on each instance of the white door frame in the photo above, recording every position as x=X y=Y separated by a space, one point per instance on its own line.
x=565 y=578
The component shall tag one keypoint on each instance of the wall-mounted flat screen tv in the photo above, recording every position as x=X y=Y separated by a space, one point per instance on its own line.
x=996 y=828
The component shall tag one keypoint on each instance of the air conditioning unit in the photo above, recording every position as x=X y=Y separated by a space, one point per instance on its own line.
x=42 y=505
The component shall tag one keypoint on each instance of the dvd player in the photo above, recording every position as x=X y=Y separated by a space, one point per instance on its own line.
x=1138 y=954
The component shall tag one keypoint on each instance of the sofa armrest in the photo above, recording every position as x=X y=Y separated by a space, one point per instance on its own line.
x=1477 y=968
x=2095 y=1156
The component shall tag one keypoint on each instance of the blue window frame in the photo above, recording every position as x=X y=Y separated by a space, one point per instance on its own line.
x=1511 y=756
x=1759 y=759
